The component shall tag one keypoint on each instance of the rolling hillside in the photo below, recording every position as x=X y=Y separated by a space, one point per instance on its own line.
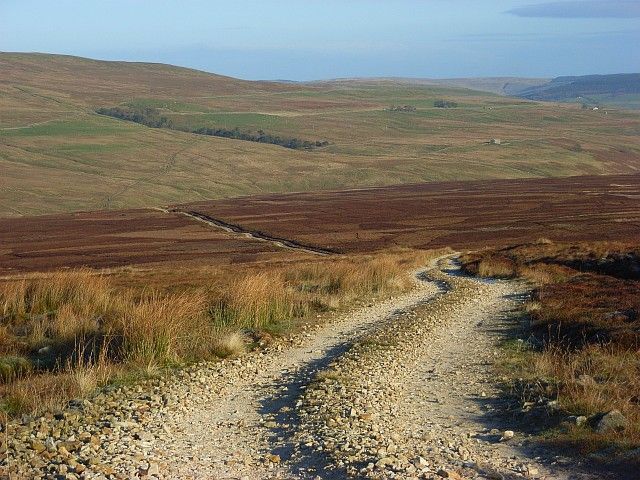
x=57 y=154
x=617 y=90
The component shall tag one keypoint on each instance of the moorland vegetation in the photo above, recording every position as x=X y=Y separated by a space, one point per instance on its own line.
x=582 y=332
x=66 y=333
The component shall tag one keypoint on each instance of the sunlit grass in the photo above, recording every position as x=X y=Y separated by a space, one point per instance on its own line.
x=66 y=333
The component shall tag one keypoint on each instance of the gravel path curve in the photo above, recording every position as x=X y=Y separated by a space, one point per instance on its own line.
x=240 y=426
x=403 y=389
x=419 y=399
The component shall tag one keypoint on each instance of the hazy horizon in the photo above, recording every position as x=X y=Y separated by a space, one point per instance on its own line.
x=302 y=41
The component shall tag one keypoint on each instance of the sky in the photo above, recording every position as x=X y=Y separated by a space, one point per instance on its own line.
x=321 y=39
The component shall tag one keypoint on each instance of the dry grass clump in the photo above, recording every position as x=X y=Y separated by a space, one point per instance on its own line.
x=357 y=276
x=75 y=329
x=49 y=390
x=81 y=290
x=497 y=266
x=71 y=329
x=543 y=274
x=616 y=259
x=160 y=328
x=229 y=344
x=13 y=366
x=257 y=301
x=58 y=318
x=62 y=306
x=594 y=380
x=274 y=298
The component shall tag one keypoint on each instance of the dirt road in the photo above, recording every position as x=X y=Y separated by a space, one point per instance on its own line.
x=403 y=389
x=251 y=235
x=421 y=408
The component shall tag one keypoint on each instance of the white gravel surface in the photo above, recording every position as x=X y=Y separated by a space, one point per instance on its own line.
x=403 y=388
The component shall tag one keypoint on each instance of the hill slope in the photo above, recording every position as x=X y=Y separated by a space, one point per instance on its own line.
x=497 y=85
x=57 y=154
x=89 y=81
x=619 y=89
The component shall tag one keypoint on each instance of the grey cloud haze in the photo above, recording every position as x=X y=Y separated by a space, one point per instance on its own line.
x=581 y=9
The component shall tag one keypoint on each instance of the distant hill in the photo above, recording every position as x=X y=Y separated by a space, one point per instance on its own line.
x=180 y=135
x=617 y=90
x=95 y=82
x=591 y=88
x=509 y=86
x=620 y=90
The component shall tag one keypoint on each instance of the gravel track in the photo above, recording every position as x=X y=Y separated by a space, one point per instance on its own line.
x=403 y=388
x=259 y=236
x=242 y=427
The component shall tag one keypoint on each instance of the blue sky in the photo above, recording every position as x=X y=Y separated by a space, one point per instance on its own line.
x=315 y=39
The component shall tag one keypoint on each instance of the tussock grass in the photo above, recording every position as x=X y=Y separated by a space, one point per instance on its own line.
x=257 y=301
x=80 y=290
x=13 y=366
x=385 y=273
x=162 y=328
x=75 y=330
x=229 y=344
x=71 y=330
x=585 y=311
x=496 y=266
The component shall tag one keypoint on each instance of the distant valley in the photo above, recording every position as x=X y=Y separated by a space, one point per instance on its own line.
x=58 y=155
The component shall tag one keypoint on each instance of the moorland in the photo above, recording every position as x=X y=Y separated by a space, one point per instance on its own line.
x=158 y=224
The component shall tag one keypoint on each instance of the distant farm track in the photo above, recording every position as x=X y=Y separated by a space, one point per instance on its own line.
x=237 y=229
x=463 y=215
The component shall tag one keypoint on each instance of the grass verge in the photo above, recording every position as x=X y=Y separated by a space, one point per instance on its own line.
x=582 y=360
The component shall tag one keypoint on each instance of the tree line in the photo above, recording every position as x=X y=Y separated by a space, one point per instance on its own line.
x=444 y=104
x=151 y=117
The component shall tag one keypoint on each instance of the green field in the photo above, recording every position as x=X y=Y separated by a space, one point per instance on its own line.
x=57 y=155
